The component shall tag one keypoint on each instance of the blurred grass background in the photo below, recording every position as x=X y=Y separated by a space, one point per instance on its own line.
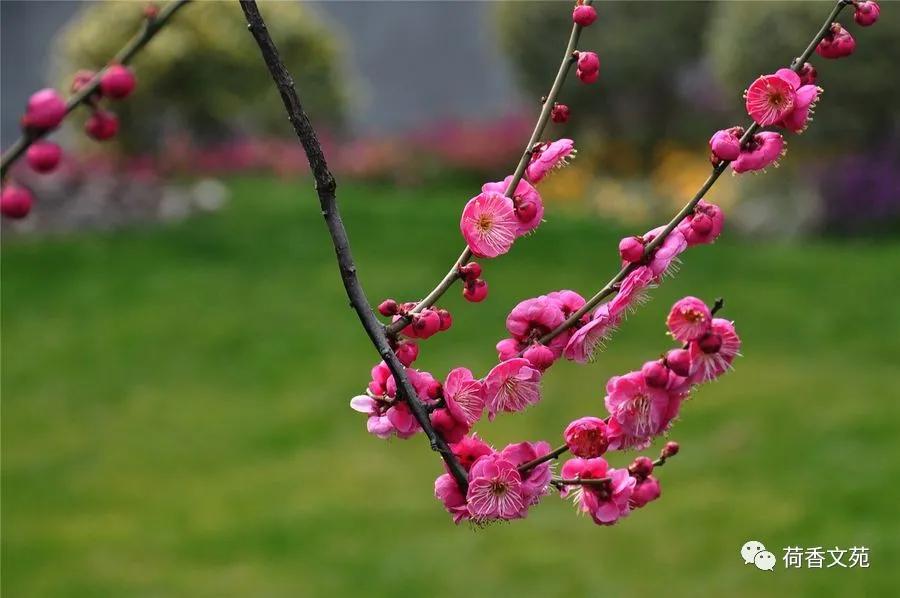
x=176 y=421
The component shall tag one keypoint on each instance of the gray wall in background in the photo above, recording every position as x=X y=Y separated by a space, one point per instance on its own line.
x=410 y=62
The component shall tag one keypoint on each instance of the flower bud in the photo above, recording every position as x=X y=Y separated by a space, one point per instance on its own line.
x=507 y=349
x=837 y=43
x=426 y=323
x=631 y=249
x=102 y=125
x=726 y=144
x=388 y=307
x=117 y=82
x=808 y=74
x=679 y=361
x=655 y=374
x=471 y=271
x=45 y=110
x=540 y=356
x=588 y=62
x=647 y=490
x=445 y=318
x=867 y=12
x=641 y=467
x=559 y=113
x=670 y=450
x=475 y=290
x=587 y=437
x=587 y=78
x=151 y=11
x=711 y=343
x=584 y=15
x=15 y=201
x=407 y=352
x=43 y=156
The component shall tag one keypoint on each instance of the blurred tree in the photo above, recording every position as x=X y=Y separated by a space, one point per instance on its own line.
x=653 y=84
x=203 y=74
x=746 y=39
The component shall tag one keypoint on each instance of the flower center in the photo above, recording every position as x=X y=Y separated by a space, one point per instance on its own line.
x=640 y=411
x=499 y=488
x=485 y=223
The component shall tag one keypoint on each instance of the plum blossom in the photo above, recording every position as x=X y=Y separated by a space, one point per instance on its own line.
x=527 y=203
x=447 y=491
x=587 y=437
x=632 y=291
x=605 y=502
x=665 y=255
x=591 y=337
x=536 y=481
x=495 y=490
x=837 y=43
x=638 y=411
x=762 y=150
x=726 y=144
x=578 y=468
x=549 y=156
x=388 y=416
x=512 y=386
x=713 y=353
x=703 y=225
x=489 y=224
x=688 y=319
x=470 y=449
x=770 y=99
x=645 y=490
x=464 y=395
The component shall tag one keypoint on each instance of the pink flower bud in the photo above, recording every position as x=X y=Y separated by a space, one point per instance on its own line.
x=151 y=10
x=641 y=467
x=679 y=361
x=587 y=437
x=711 y=343
x=475 y=290
x=867 y=12
x=508 y=348
x=631 y=249
x=837 y=43
x=43 y=156
x=655 y=374
x=587 y=78
x=450 y=429
x=588 y=62
x=471 y=271
x=117 y=82
x=445 y=318
x=559 y=113
x=647 y=490
x=808 y=74
x=388 y=307
x=407 y=352
x=584 y=15
x=726 y=144
x=80 y=79
x=540 y=356
x=45 y=110
x=102 y=125
x=15 y=201
x=670 y=450
x=426 y=324
x=526 y=210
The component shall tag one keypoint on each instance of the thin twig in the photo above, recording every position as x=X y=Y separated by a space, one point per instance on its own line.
x=325 y=188
x=149 y=28
x=453 y=274
x=718 y=169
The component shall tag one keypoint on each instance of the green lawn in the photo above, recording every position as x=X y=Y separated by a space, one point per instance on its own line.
x=176 y=422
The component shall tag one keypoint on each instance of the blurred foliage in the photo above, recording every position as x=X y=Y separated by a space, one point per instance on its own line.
x=203 y=73
x=649 y=68
x=858 y=89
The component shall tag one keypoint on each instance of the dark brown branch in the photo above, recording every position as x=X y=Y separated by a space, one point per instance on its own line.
x=325 y=188
x=149 y=29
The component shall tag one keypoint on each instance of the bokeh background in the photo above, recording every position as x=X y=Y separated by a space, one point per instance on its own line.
x=178 y=356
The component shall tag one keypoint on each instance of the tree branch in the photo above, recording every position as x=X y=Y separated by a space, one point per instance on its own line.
x=569 y=58
x=150 y=28
x=325 y=188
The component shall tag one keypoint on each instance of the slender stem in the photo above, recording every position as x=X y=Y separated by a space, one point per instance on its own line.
x=718 y=169
x=561 y=482
x=149 y=28
x=569 y=58
x=554 y=454
x=325 y=188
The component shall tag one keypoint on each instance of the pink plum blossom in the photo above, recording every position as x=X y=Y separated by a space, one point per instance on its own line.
x=837 y=43
x=464 y=395
x=713 y=354
x=638 y=411
x=539 y=356
x=770 y=99
x=867 y=13
x=726 y=144
x=579 y=468
x=805 y=98
x=664 y=255
x=448 y=425
x=447 y=491
x=489 y=224
x=536 y=481
x=688 y=319
x=763 y=149
x=512 y=386
x=632 y=291
x=547 y=157
x=645 y=490
x=591 y=337
x=527 y=203
x=610 y=502
x=703 y=225
x=587 y=437
x=495 y=490
x=470 y=449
